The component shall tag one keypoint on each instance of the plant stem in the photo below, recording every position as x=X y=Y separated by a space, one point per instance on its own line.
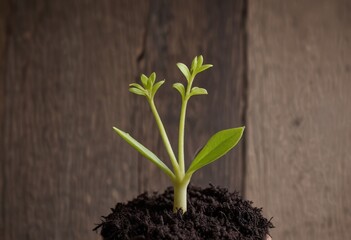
x=165 y=139
x=182 y=127
x=180 y=188
x=181 y=136
x=180 y=195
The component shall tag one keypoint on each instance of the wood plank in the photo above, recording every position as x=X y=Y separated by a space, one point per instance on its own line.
x=176 y=33
x=299 y=132
x=3 y=23
x=67 y=67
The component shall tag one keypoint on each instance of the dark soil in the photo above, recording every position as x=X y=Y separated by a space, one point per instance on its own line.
x=213 y=213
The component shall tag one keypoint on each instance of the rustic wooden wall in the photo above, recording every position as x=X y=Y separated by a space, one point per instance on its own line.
x=281 y=67
x=65 y=67
x=299 y=116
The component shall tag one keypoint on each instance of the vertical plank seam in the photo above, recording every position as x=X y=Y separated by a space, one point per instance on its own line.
x=140 y=59
x=5 y=10
x=245 y=89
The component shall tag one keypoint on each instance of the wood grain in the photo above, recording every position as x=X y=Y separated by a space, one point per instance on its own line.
x=68 y=65
x=65 y=68
x=299 y=132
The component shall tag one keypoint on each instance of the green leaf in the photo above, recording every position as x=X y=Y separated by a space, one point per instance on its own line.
x=198 y=91
x=200 y=60
x=185 y=70
x=203 y=68
x=218 y=145
x=150 y=82
x=193 y=65
x=137 y=91
x=156 y=87
x=180 y=88
x=152 y=78
x=145 y=152
x=144 y=79
x=135 y=85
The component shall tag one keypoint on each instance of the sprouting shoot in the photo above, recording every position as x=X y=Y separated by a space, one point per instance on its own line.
x=217 y=146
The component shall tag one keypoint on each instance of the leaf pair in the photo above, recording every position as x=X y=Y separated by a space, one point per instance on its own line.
x=149 y=87
x=196 y=67
x=194 y=91
x=217 y=146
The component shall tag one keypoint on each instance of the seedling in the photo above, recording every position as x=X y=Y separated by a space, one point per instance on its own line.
x=217 y=146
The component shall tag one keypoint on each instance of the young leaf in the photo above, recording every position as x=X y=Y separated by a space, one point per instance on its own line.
x=144 y=79
x=218 y=145
x=137 y=91
x=138 y=86
x=185 y=70
x=180 y=88
x=150 y=82
x=145 y=152
x=156 y=87
x=198 y=91
x=204 y=67
x=152 y=78
x=193 y=65
x=200 y=60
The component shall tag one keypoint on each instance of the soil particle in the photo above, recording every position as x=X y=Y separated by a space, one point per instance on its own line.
x=213 y=213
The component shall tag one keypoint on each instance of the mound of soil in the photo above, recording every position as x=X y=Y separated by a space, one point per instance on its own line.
x=213 y=213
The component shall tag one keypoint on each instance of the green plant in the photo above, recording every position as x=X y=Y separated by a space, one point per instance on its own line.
x=218 y=145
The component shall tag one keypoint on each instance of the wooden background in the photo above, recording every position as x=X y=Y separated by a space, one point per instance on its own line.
x=282 y=68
